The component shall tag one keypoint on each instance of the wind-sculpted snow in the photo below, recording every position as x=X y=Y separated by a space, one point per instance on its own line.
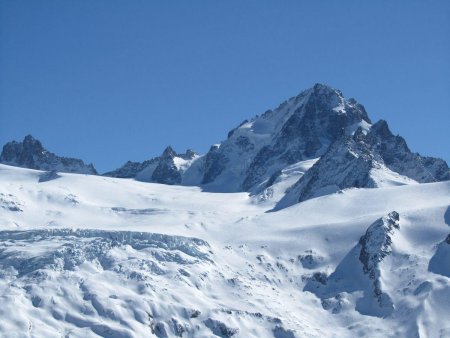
x=81 y=245
x=89 y=256
x=92 y=282
x=86 y=283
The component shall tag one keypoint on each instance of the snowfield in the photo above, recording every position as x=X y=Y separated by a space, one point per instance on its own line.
x=93 y=256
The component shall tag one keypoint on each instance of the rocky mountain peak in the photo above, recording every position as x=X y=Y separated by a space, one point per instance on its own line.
x=30 y=153
x=190 y=154
x=377 y=241
x=168 y=153
x=358 y=160
x=301 y=128
x=28 y=147
x=30 y=142
x=381 y=129
x=319 y=125
x=166 y=169
x=326 y=93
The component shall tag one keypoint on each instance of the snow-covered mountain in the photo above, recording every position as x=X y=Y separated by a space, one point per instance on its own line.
x=318 y=123
x=300 y=129
x=31 y=154
x=167 y=168
x=275 y=232
x=89 y=256
x=370 y=159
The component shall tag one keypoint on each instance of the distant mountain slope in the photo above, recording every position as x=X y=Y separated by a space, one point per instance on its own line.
x=367 y=159
x=299 y=129
x=319 y=124
x=31 y=154
x=167 y=168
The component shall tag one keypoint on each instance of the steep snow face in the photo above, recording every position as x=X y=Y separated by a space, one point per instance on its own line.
x=281 y=181
x=301 y=128
x=167 y=168
x=369 y=159
x=364 y=275
x=31 y=154
x=87 y=256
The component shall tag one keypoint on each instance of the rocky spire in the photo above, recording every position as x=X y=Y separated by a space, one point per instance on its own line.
x=30 y=153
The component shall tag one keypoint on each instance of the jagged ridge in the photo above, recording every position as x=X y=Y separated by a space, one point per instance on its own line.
x=319 y=122
x=167 y=168
x=31 y=154
x=352 y=161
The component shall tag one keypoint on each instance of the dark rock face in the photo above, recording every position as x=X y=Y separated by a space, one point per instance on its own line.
x=349 y=160
x=319 y=121
x=215 y=163
x=220 y=329
x=338 y=170
x=161 y=169
x=129 y=169
x=397 y=156
x=375 y=246
x=299 y=129
x=376 y=242
x=31 y=154
x=166 y=171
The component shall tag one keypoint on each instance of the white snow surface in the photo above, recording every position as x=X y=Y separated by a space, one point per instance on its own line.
x=92 y=256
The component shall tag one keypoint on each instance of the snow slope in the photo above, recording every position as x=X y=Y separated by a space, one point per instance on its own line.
x=90 y=256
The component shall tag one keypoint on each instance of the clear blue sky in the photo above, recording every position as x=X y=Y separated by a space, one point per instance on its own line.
x=108 y=81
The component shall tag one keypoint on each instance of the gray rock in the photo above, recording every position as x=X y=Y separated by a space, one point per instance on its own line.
x=161 y=169
x=299 y=129
x=166 y=171
x=31 y=154
x=215 y=162
x=349 y=160
x=360 y=270
x=220 y=329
